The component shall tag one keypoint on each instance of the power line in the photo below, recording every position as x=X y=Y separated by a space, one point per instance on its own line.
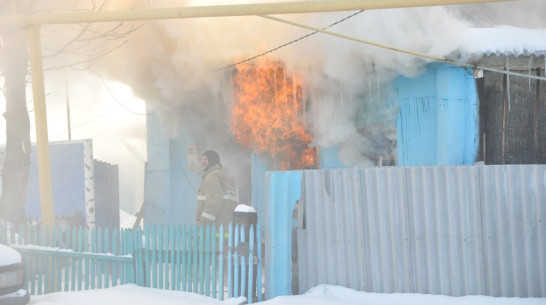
x=116 y=99
x=288 y=43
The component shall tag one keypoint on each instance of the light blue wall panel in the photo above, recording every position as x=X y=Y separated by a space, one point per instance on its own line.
x=157 y=181
x=184 y=182
x=67 y=181
x=283 y=189
x=171 y=188
x=472 y=137
x=329 y=158
x=437 y=123
x=260 y=165
x=416 y=131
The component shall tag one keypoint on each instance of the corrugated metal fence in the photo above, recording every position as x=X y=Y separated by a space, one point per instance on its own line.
x=200 y=259
x=453 y=230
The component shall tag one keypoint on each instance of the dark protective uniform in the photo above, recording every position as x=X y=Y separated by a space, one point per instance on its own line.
x=216 y=197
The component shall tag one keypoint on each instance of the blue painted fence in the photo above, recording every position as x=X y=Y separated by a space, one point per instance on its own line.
x=200 y=259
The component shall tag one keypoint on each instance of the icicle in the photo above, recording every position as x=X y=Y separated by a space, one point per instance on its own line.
x=370 y=84
x=508 y=81
x=378 y=91
x=530 y=67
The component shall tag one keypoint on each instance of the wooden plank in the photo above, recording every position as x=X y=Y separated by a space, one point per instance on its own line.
x=47 y=260
x=27 y=260
x=146 y=256
x=32 y=260
x=221 y=256
x=124 y=241
x=177 y=252
x=106 y=264
x=165 y=257
x=40 y=270
x=195 y=256
x=206 y=279
x=100 y=244
x=213 y=258
x=250 y=265
x=74 y=261
x=87 y=262
x=56 y=261
x=184 y=248
x=81 y=262
x=140 y=258
x=93 y=262
x=243 y=262
x=229 y=262
x=115 y=266
x=173 y=255
x=67 y=261
x=259 y=266
x=201 y=258
x=159 y=253
x=236 y=278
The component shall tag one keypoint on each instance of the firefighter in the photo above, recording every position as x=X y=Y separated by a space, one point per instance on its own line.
x=217 y=196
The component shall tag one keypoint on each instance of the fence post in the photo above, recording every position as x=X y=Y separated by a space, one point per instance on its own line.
x=100 y=242
x=183 y=249
x=236 y=278
x=221 y=263
x=206 y=280
x=243 y=261
x=259 y=266
x=250 y=264
x=194 y=249
x=229 y=262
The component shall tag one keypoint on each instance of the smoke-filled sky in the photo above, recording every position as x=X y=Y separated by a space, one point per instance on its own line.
x=171 y=66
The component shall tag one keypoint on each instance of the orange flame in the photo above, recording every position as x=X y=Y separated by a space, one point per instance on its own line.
x=267 y=115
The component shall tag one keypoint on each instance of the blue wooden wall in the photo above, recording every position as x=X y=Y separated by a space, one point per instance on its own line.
x=68 y=186
x=170 y=192
x=438 y=119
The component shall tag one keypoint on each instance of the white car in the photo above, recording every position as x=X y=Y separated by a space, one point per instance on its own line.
x=12 y=277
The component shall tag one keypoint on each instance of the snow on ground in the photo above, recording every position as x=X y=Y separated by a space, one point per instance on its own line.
x=320 y=295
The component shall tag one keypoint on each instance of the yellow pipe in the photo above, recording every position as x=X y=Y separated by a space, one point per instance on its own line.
x=40 y=116
x=356 y=39
x=225 y=10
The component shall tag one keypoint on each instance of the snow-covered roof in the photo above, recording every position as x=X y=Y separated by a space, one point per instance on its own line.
x=486 y=45
x=504 y=41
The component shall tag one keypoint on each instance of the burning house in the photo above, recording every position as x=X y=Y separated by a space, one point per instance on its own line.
x=443 y=117
x=374 y=158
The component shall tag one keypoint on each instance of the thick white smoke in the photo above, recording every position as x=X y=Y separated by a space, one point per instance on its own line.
x=172 y=64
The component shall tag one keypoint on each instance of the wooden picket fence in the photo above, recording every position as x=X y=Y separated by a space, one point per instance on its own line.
x=201 y=259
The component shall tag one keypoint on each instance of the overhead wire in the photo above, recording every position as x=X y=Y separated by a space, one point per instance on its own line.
x=288 y=43
x=116 y=99
x=120 y=104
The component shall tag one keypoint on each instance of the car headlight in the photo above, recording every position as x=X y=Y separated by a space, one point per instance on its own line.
x=11 y=278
